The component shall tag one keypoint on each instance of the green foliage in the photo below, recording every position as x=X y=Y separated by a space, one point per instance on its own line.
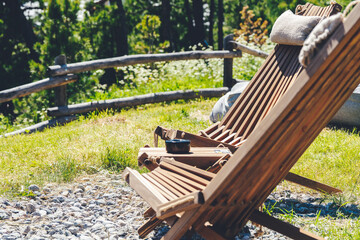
x=252 y=31
x=147 y=40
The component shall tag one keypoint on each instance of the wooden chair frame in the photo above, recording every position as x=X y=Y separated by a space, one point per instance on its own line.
x=278 y=73
x=218 y=206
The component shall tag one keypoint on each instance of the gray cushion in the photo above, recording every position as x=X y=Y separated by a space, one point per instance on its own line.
x=291 y=29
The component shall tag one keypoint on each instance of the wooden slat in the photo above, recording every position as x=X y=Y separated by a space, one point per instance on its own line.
x=260 y=101
x=184 y=173
x=243 y=118
x=253 y=88
x=181 y=226
x=234 y=111
x=229 y=138
x=223 y=135
x=148 y=226
x=217 y=132
x=149 y=213
x=143 y=187
x=181 y=172
x=199 y=172
x=167 y=185
x=282 y=227
x=175 y=185
x=212 y=128
x=162 y=190
x=181 y=204
x=306 y=182
x=188 y=185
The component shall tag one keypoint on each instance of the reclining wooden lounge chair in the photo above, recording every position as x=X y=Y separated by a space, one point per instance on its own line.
x=218 y=206
x=280 y=70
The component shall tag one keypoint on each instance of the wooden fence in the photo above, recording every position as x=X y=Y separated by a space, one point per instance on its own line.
x=62 y=74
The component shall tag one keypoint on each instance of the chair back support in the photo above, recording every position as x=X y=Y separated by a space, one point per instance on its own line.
x=258 y=165
x=276 y=75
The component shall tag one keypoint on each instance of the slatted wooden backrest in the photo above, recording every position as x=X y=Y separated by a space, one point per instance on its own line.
x=273 y=148
x=272 y=80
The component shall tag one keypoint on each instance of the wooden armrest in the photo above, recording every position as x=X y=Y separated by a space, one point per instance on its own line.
x=181 y=204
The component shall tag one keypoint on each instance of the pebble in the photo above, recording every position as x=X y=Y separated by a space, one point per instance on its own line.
x=103 y=206
x=34 y=188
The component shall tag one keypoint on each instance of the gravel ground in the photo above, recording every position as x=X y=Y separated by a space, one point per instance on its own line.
x=102 y=206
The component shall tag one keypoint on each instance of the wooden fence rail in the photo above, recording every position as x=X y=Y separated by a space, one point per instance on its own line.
x=246 y=49
x=135 y=101
x=57 y=70
x=24 y=90
x=62 y=73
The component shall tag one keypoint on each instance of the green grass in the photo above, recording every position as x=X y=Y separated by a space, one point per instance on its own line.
x=104 y=140
x=110 y=140
x=333 y=158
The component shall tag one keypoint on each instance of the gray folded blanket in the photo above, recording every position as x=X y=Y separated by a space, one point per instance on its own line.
x=291 y=29
x=314 y=41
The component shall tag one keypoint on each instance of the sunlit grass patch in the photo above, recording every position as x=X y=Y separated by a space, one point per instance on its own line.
x=100 y=140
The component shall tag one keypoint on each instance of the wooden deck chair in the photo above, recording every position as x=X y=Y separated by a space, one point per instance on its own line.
x=279 y=71
x=218 y=205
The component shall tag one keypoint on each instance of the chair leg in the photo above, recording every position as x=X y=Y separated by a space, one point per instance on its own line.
x=282 y=227
x=181 y=226
x=209 y=234
x=306 y=182
x=147 y=227
x=152 y=223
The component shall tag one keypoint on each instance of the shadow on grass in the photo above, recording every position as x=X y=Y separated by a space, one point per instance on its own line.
x=313 y=208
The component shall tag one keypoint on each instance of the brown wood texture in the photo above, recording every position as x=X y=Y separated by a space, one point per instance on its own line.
x=135 y=101
x=282 y=227
x=246 y=49
x=241 y=186
x=209 y=234
x=291 y=126
x=137 y=59
x=199 y=157
x=311 y=183
x=270 y=83
x=288 y=130
x=27 y=89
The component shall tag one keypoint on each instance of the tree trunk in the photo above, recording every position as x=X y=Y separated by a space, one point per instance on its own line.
x=211 y=21
x=20 y=23
x=190 y=25
x=199 y=31
x=166 y=33
x=121 y=37
x=220 y=24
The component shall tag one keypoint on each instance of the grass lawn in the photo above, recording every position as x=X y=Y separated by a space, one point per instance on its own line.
x=111 y=140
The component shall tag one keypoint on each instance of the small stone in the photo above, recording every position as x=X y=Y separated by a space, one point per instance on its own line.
x=110 y=203
x=4 y=215
x=42 y=213
x=65 y=193
x=34 y=188
x=74 y=230
x=26 y=230
x=30 y=208
x=46 y=190
x=80 y=186
x=78 y=191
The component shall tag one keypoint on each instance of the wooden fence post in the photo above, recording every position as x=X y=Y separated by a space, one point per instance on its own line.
x=60 y=92
x=228 y=62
